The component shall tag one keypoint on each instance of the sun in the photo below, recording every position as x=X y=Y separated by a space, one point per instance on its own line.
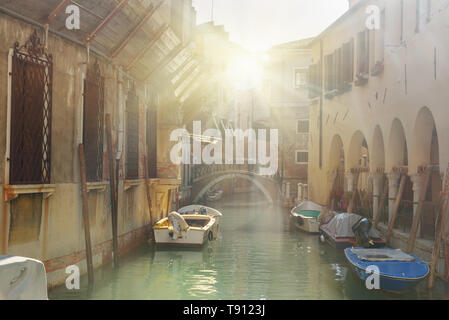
x=245 y=72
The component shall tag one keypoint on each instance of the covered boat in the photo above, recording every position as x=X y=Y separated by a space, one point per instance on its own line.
x=398 y=271
x=305 y=216
x=22 y=279
x=191 y=230
x=203 y=210
x=339 y=232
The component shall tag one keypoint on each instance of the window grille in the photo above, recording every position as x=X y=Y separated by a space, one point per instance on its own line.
x=31 y=113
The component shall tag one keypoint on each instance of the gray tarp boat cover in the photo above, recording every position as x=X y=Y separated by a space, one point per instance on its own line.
x=382 y=255
x=22 y=279
x=341 y=226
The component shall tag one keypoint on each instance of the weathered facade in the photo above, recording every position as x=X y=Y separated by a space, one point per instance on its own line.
x=379 y=114
x=56 y=88
x=285 y=89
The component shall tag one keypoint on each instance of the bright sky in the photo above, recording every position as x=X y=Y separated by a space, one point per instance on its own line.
x=257 y=25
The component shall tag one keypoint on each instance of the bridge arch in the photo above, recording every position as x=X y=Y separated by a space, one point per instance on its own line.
x=250 y=177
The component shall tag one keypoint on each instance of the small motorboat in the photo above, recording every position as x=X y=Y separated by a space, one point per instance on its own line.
x=350 y=230
x=22 y=279
x=214 y=195
x=305 y=216
x=398 y=271
x=203 y=210
x=191 y=230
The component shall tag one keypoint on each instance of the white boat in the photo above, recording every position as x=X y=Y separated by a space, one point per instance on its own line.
x=22 y=279
x=305 y=216
x=203 y=210
x=191 y=230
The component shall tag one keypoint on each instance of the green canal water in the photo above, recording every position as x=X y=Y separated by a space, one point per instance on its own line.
x=256 y=256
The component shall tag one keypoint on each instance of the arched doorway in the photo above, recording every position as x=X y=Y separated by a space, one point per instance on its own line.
x=426 y=153
x=380 y=181
x=358 y=164
x=397 y=161
x=337 y=172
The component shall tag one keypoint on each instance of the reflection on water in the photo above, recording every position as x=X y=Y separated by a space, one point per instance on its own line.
x=256 y=256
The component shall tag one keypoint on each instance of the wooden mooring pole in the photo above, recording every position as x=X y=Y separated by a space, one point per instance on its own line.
x=396 y=207
x=114 y=196
x=354 y=191
x=90 y=266
x=439 y=233
x=419 y=210
x=381 y=204
x=147 y=187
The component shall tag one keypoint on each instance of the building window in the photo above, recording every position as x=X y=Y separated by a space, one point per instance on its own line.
x=31 y=113
x=302 y=126
x=363 y=53
x=93 y=122
x=300 y=77
x=348 y=62
x=132 y=135
x=302 y=157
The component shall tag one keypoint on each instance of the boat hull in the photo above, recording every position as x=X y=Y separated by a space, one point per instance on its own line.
x=390 y=280
x=197 y=230
x=192 y=238
x=348 y=242
x=306 y=224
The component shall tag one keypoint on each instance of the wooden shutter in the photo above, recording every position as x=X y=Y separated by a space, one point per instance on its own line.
x=132 y=135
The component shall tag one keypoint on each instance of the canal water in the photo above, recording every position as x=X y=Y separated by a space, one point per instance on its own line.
x=257 y=256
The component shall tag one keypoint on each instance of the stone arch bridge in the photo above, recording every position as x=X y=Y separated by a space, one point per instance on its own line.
x=205 y=177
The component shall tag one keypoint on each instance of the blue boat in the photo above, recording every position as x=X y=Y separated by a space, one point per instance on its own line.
x=398 y=270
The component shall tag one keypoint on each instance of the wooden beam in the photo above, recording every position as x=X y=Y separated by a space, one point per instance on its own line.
x=437 y=243
x=381 y=204
x=192 y=82
x=113 y=187
x=169 y=58
x=106 y=20
x=181 y=67
x=147 y=187
x=439 y=232
x=151 y=11
x=90 y=266
x=56 y=11
x=396 y=207
x=184 y=77
x=150 y=45
x=419 y=209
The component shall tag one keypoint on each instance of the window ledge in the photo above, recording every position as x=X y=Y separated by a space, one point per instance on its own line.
x=13 y=192
x=97 y=186
x=130 y=184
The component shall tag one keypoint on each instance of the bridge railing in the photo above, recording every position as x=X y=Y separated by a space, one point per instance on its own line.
x=201 y=170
